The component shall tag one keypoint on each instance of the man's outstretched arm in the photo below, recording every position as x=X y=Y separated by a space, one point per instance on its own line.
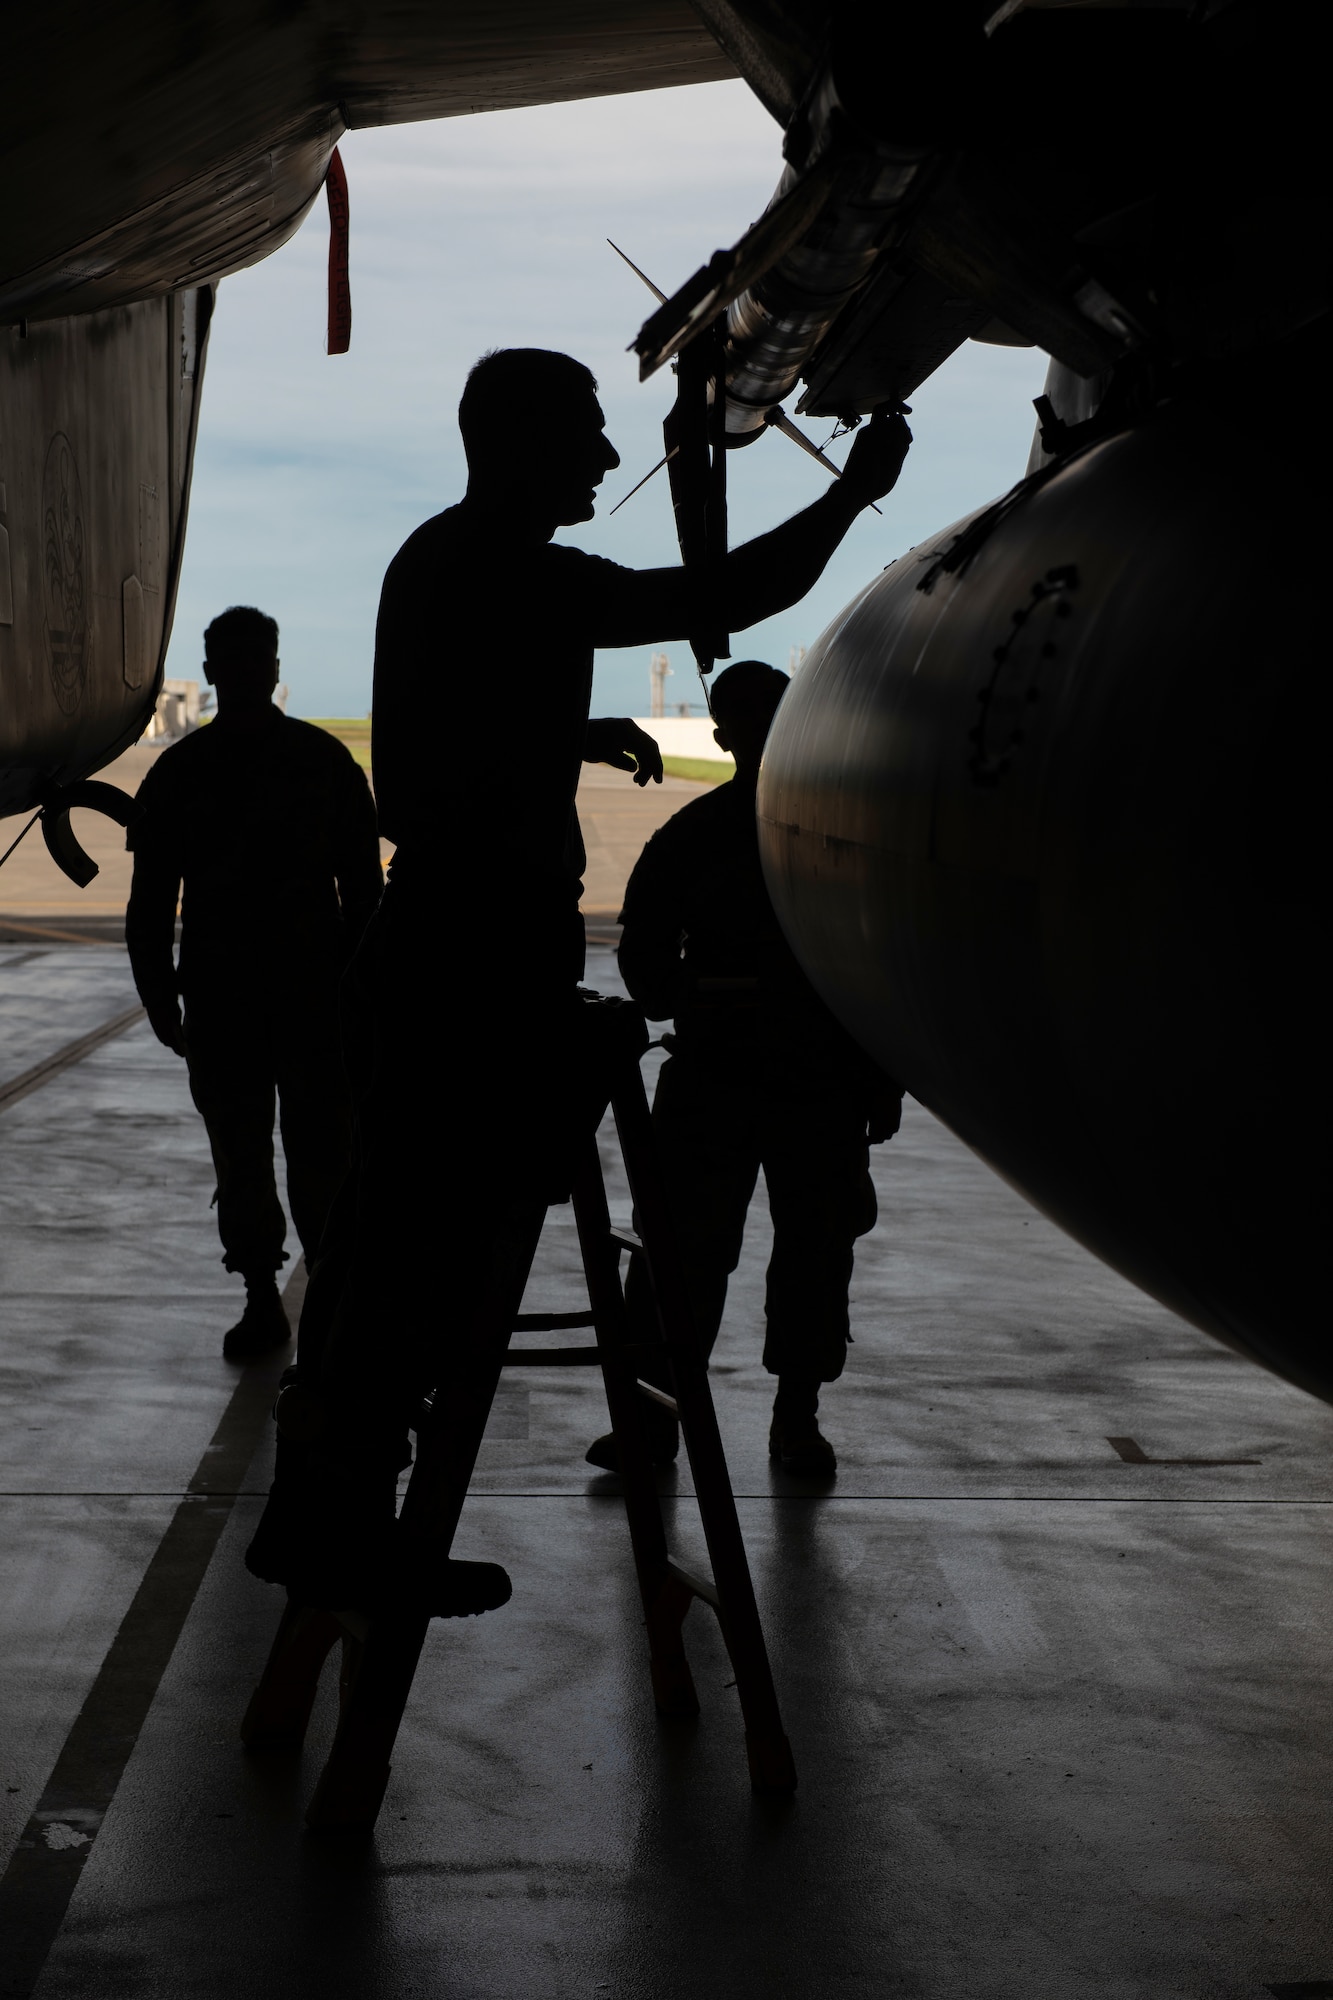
x=775 y=570
x=778 y=569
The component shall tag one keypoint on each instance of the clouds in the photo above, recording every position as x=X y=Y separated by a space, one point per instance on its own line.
x=472 y=233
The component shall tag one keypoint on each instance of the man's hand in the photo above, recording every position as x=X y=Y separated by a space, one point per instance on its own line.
x=876 y=459
x=614 y=739
x=164 y=1018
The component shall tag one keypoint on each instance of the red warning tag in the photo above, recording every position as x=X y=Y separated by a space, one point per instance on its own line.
x=340 y=290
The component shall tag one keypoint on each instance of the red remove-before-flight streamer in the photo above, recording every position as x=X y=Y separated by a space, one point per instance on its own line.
x=340 y=290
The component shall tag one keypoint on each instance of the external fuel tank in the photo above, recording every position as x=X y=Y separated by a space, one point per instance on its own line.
x=1040 y=815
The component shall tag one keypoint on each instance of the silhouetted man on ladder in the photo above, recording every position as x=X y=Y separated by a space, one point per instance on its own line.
x=471 y=1095
x=270 y=825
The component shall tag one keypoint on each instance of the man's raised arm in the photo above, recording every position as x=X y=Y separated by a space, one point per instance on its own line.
x=773 y=571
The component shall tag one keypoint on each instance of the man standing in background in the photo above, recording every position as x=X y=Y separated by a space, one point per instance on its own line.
x=270 y=825
x=760 y=1075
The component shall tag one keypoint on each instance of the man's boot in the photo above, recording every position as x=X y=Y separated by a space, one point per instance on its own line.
x=663 y=1441
x=329 y=1533
x=263 y=1325
x=795 y=1440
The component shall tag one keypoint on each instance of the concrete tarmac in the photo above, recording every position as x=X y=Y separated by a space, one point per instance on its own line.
x=617 y=817
x=1059 y=1704
x=37 y=902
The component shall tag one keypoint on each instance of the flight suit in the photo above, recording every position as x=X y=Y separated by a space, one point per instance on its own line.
x=468 y=1087
x=760 y=1075
x=273 y=836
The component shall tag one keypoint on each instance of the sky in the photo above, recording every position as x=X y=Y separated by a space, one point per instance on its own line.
x=490 y=231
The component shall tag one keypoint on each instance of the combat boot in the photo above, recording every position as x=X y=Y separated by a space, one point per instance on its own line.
x=795 y=1441
x=263 y=1325
x=329 y=1533
x=663 y=1441
x=368 y=1566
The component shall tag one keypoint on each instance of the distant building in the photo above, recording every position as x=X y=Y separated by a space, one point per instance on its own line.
x=658 y=668
x=180 y=707
x=688 y=737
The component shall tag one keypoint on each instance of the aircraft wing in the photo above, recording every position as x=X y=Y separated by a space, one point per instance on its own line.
x=151 y=148
x=147 y=149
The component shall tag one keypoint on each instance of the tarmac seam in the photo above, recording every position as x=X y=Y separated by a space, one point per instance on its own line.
x=45 y=1867
x=63 y=1059
x=31 y=930
x=954 y=1499
x=822 y=1499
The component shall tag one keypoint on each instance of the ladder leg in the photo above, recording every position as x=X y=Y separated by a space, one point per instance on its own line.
x=771 y=1765
x=665 y=1602
x=448 y=1443
x=280 y=1706
x=673 y=1683
x=378 y=1671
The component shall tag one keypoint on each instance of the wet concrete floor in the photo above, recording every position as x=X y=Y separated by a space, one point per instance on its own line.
x=1060 y=1707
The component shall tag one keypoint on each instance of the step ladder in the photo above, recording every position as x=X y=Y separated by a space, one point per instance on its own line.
x=380 y=1657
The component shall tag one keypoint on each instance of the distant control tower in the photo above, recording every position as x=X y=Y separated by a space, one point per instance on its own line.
x=658 y=669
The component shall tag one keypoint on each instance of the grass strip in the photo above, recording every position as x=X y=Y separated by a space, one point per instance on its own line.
x=351 y=730
x=703 y=770
x=354 y=731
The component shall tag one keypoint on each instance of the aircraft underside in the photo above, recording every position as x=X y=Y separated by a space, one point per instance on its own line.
x=1037 y=814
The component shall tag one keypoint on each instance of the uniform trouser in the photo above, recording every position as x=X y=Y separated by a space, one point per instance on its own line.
x=465 y=1091
x=248 y=1055
x=716 y=1127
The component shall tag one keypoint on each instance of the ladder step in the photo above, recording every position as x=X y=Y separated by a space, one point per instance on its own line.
x=625 y=1239
x=553 y=1322
x=696 y=1585
x=657 y=1395
x=552 y=1357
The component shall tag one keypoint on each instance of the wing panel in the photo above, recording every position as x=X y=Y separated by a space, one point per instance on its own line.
x=97 y=423
x=154 y=148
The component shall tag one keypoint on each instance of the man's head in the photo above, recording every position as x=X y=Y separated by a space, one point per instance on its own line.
x=535 y=435
x=744 y=700
x=241 y=656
